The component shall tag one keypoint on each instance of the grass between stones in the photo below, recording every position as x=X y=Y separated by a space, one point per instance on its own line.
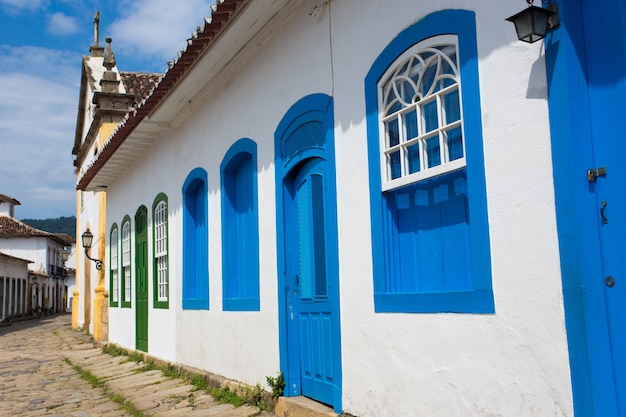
x=98 y=382
x=255 y=396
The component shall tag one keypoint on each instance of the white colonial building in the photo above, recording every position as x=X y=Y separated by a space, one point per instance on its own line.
x=45 y=287
x=394 y=203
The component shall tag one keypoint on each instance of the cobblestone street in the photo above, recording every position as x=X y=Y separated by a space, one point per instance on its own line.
x=37 y=378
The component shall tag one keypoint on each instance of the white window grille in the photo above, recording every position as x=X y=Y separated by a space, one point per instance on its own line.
x=422 y=123
x=126 y=260
x=160 y=249
x=114 y=267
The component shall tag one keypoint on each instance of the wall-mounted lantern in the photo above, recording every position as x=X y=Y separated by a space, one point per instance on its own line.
x=65 y=254
x=87 y=241
x=532 y=23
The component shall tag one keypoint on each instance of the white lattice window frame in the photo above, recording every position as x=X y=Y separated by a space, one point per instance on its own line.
x=126 y=261
x=397 y=71
x=114 y=267
x=160 y=250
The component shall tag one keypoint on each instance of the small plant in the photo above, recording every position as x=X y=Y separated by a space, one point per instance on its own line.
x=170 y=371
x=148 y=366
x=226 y=396
x=114 y=350
x=277 y=384
x=198 y=382
x=135 y=357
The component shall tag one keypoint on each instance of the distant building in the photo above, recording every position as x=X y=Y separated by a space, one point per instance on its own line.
x=48 y=276
x=14 y=288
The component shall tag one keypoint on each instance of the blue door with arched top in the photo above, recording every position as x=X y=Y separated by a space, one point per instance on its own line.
x=310 y=337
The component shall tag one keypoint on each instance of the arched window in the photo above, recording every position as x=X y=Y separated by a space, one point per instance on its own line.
x=114 y=290
x=427 y=172
x=195 y=241
x=160 y=248
x=126 y=263
x=240 y=228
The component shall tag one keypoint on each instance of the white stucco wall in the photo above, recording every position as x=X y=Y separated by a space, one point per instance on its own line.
x=514 y=362
x=13 y=268
x=34 y=249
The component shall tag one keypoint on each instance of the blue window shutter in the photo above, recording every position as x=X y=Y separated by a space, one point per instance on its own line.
x=240 y=236
x=195 y=241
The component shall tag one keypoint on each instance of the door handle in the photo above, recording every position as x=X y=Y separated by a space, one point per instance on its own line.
x=602 y=207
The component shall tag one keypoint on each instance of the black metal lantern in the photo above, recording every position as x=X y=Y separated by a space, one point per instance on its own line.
x=532 y=23
x=65 y=254
x=87 y=241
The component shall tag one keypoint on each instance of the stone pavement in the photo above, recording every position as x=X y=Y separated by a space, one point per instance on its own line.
x=40 y=360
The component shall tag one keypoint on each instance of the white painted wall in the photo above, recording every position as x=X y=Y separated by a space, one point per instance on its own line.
x=7 y=209
x=34 y=249
x=12 y=267
x=514 y=362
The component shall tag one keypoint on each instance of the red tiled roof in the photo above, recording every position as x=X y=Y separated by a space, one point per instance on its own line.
x=221 y=14
x=140 y=84
x=7 y=199
x=11 y=227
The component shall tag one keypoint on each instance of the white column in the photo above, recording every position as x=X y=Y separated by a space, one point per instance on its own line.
x=4 y=299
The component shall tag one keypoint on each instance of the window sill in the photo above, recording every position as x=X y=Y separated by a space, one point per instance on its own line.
x=195 y=304
x=241 y=304
x=468 y=302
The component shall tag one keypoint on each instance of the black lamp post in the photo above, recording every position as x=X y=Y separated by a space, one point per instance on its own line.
x=532 y=23
x=87 y=241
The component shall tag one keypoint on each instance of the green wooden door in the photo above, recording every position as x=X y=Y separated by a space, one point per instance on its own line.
x=141 y=279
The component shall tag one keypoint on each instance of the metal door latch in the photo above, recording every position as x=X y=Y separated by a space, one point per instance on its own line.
x=594 y=173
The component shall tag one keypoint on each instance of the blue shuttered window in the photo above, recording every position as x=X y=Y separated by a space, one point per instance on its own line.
x=195 y=241
x=240 y=228
x=429 y=217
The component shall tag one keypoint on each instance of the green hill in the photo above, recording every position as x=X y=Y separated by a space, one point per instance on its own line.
x=62 y=224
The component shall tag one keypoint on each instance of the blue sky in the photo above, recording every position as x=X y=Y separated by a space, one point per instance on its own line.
x=41 y=44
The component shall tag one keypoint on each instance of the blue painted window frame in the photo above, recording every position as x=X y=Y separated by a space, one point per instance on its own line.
x=478 y=299
x=240 y=228
x=113 y=302
x=195 y=241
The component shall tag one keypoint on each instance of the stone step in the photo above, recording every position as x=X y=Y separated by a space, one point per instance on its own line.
x=302 y=407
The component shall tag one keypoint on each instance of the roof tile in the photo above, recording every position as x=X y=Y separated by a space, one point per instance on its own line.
x=11 y=227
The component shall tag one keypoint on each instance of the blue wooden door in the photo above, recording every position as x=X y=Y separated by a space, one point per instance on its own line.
x=313 y=299
x=605 y=49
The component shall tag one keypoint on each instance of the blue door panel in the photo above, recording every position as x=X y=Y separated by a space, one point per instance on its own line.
x=606 y=73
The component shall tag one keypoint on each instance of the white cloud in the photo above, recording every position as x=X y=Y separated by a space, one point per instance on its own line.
x=60 y=24
x=38 y=108
x=145 y=29
x=15 y=6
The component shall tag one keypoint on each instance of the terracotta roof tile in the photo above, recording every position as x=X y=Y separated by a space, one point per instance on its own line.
x=7 y=199
x=11 y=227
x=140 y=84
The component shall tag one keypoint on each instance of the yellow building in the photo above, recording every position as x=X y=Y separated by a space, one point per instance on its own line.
x=106 y=96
